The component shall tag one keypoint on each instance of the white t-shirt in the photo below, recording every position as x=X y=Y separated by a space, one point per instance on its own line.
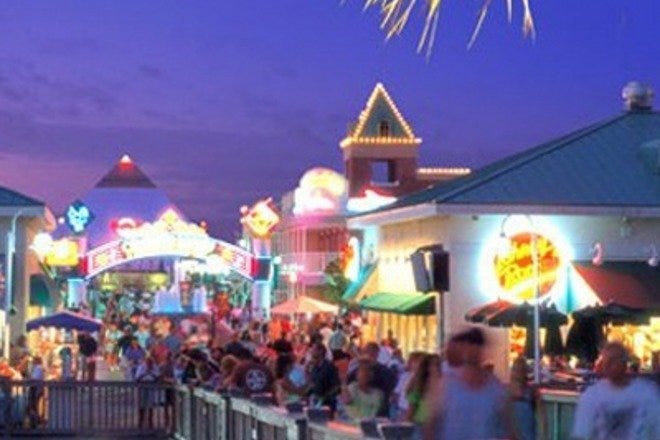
x=606 y=412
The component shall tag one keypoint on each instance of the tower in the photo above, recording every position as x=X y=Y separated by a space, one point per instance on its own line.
x=380 y=150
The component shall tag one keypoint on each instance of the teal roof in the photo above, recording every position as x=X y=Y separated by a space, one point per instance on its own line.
x=9 y=197
x=615 y=163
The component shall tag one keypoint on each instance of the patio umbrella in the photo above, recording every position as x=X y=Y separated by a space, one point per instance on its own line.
x=615 y=313
x=479 y=314
x=304 y=304
x=66 y=320
x=585 y=337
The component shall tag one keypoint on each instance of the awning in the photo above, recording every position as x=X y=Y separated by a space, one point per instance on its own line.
x=356 y=286
x=400 y=303
x=40 y=291
x=66 y=320
x=304 y=304
x=629 y=283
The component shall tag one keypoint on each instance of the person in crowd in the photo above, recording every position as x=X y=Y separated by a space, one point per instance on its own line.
x=167 y=376
x=36 y=392
x=286 y=389
x=452 y=357
x=147 y=372
x=133 y=356
x=521 y=401
x=470 y=404
x=323 y=377
x=110 y=338
x=361 y=399
x=125 y=340
x=617 y=406
x=399 y=397
x=337 y=342
x=424 y=376
x=88 y=347
x=18 y=352
x=236 y=348
x=326 y=332
x=143 y=334
x=391 y=341
x=383 y=378
x=283 y=345
x=227 y=365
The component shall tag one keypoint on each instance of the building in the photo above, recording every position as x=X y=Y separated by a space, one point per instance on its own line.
x=380 y=154
x=590 y=198
x=21 y=218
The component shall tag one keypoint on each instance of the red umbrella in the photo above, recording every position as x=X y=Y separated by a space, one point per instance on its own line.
x=480 y=314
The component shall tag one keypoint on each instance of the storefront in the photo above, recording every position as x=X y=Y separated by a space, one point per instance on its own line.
x=21 y=218
x=125 y=242
x=586 y=205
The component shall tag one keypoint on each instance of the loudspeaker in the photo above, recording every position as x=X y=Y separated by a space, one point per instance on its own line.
x=440 y=271
x=431 y=269
x=420 y=273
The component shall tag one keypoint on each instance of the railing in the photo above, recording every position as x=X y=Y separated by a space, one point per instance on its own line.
x=214 y=416
x=555 y=411
x=87 y=409
x=237 y=418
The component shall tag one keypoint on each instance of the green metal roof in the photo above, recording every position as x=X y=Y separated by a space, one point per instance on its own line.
x=615 y=163
x=9 y=197
x=400 y=303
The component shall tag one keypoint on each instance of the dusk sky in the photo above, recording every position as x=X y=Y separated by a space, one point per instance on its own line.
x=224 y=102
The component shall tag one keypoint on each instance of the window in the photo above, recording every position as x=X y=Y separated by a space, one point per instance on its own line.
x=384 y=129
x=383 y=172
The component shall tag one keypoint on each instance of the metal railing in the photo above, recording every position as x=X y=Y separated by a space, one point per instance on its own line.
x=208 y=415
x=88 y=409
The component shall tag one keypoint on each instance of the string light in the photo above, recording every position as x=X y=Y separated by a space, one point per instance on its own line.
x=355 y=137
x=458 y=171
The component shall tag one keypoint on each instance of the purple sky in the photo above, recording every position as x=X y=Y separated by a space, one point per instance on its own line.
x=222 y=104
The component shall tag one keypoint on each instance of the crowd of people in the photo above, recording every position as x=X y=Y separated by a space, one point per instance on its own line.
x=325 y=364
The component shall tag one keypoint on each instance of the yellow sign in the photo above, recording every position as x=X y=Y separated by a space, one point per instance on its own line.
x=260 y=219
x=62 y=252
x=515 y=271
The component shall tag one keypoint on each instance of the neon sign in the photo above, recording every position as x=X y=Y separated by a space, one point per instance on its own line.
x=63 y=252
x=78 y=216
x=168 y=236
x=514 y=269
x=352 y=259
x=260 y=219
x=319 y=190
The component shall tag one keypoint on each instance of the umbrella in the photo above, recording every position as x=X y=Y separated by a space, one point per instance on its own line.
x=479 y=314
x=523 y=315
x=585 y=337
x=66 y=320
x=304 y=304
x=615 y=313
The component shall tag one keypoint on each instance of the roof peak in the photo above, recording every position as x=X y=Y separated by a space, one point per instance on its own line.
x=390 y=126
x=125 y=174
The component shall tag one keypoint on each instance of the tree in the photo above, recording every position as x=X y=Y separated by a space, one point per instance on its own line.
x=335 y=282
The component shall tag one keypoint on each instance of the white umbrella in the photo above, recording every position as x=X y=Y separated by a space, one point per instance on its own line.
x=304 y=304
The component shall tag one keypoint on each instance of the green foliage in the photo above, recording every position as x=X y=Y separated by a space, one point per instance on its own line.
x=335 y=282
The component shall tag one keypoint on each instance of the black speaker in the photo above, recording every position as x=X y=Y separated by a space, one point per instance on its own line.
x=431 y=269
x=440 y=271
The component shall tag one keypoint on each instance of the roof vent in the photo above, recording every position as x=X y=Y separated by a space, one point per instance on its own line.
x=637 y=96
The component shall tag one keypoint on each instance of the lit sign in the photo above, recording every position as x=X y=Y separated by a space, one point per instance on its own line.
x=260 y=219
x=62 y=252
x=168 y=236
x=121 y=225
x=78 y=216
x=352 y=259
x=371 y=200
x=319 y=190
x=514 y=268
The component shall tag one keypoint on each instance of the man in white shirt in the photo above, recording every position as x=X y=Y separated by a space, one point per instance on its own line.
x=618 y=407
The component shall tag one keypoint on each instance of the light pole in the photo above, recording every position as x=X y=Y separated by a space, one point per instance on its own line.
x=9 y=277
x=537 y=292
